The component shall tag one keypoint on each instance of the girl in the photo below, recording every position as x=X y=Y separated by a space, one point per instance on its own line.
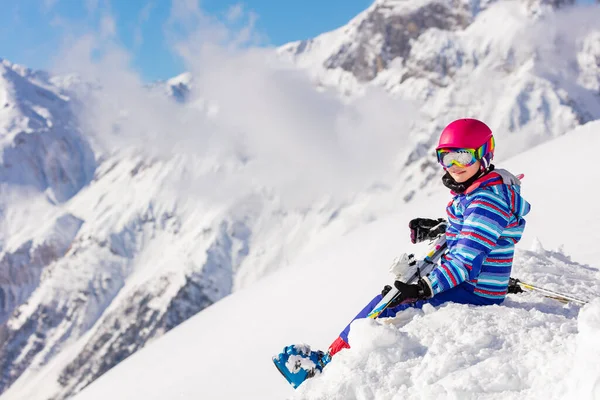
x=485 y=221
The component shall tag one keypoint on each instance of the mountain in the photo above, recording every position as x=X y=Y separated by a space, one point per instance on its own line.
x=106 y=245
x=45 y=162
x=529 y=347
x=178 y=87
x=517 y=65
x=104 y=250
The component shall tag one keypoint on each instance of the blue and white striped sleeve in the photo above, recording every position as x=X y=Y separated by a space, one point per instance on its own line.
x=484 y=220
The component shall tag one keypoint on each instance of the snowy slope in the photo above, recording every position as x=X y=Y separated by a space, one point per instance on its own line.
x=529 y=347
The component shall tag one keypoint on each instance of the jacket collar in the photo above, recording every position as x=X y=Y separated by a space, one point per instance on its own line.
x=489 y=179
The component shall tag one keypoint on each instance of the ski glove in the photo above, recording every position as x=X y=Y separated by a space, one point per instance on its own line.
x=422 y=229
x=408 y=293
x=513 y=286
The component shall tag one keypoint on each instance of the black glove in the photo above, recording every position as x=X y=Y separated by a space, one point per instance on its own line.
x=422 y=229
x=408 y=293
x=513 y=286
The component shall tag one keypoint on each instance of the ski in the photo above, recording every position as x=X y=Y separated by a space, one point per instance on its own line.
x=298 y=362
x=421 y=268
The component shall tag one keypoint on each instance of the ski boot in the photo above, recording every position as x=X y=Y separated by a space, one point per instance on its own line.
x=298 y=363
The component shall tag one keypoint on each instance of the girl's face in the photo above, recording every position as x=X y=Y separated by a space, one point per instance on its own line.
x=463 y=174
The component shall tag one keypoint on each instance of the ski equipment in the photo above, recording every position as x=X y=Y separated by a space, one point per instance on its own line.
x=402 y=268
x=298 y=363
x=409 y=293
x=513 y=284
x=421 y=268
x=460 y=157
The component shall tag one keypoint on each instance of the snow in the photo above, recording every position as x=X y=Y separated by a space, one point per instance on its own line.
x=529 y=347
x=585 y=375
x=570 y=194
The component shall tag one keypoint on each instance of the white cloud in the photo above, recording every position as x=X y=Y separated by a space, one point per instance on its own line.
x=108 y=26
x=270 y=128
x=184 y=10
x=235 y=12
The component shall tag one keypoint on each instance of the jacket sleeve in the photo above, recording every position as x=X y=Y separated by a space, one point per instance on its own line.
x=484 y=220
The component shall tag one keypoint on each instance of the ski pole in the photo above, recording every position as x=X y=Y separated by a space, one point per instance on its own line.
x=565 y=298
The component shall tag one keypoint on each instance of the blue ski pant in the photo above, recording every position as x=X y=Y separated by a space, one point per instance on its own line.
x=458 y=294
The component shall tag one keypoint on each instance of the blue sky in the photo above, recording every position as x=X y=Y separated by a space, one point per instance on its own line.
x=31 y=31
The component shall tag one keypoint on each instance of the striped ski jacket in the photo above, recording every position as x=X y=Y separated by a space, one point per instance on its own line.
x=484 y=224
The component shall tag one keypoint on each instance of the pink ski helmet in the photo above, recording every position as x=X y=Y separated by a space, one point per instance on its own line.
x=468 y=133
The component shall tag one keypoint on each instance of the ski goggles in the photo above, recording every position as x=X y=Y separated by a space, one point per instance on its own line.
x=464 y=157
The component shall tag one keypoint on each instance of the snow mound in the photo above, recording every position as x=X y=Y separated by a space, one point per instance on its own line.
x=465 y=352
x=584 y=378
x=523 y=348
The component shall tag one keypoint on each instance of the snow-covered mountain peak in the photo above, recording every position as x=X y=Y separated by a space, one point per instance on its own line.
x=395 y=40
x=6 y=65
x=389 y=8
x=40 y=144
x=384 y=32
x=178 y=87
x=185 y=78
x=39 y=77
x=26 y=98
